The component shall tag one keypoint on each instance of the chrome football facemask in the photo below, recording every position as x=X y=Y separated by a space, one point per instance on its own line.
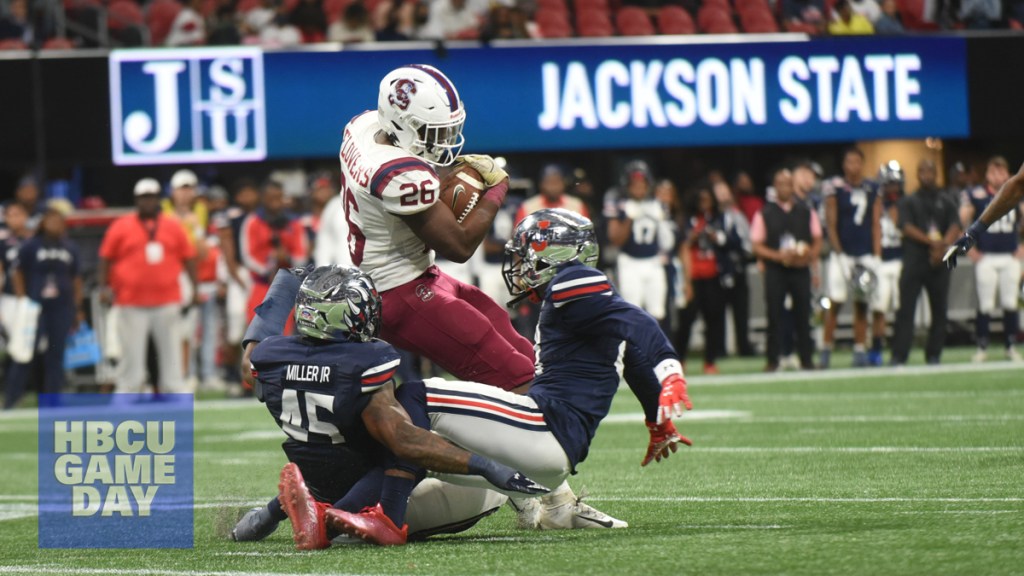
x=540 y=243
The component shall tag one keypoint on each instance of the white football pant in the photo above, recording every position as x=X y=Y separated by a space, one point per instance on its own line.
x=887 y=294
x=840 y=271
x=997 y=272
x=642 y=281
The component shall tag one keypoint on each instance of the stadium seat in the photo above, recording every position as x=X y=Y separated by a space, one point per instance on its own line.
x=594 y=24
x=553 y=6
x=713 y=15
x=1015 y=24
x=721 y=3
x=160 y=15
x=58 y=43
x=745 y=5
x=760 y=23
x=552 y=19
x=675 y=20
x=583 y=6
x=912 y=13
x=632 y=21
x=13 y=44
x=334 y=9
x=121 y=15
x=556 y=31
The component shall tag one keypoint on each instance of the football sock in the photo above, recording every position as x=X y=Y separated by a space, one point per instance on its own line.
x=276 y=512
x=1011 y=325
x=859 y=348
x=365 y=492
x=394 y=497
x=876 y=344
x=982 y=329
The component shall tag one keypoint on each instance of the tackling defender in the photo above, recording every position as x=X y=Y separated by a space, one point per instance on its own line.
x=331 y=390
x=588 y=339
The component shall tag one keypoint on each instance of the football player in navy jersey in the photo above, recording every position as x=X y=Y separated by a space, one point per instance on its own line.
x=1009 y=198
x=331 y=389
x=588 y=340
x=887 y=294
x=853 y=212
x=996 y=264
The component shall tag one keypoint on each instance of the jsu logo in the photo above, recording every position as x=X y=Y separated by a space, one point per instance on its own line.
x=192 y=105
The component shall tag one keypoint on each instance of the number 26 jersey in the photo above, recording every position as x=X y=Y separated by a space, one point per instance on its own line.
x=380 y=183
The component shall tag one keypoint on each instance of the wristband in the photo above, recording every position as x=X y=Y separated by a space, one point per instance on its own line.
x=976 y=229
x=496 y=194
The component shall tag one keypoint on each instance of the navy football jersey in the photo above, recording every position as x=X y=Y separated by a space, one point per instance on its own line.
x=892 y=236
x=588 y=338
x=49 y=266
x=1003 y=235
x=854 y=207
x=648 y=217
x=317 y=391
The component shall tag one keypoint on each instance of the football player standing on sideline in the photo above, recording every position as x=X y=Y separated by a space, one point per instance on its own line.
x=853 y=212
x=640 y=228
x=887 y=295
x=396 y=224
x=996 y=264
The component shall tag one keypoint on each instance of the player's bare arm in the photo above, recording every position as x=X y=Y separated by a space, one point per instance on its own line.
x=439 y=230
x=832 y=221
x=876 y=227
x=1010 y=196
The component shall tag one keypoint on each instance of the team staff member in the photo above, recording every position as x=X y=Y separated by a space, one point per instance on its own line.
x=47 y=271
x=786 y=236
x=141 y=257
x=887 y=294
x=929 y=222
x=12 y=236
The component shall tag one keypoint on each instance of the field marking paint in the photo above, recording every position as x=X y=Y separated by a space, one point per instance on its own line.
x=848 y=373
x=61 y=570
x=692 y=416
x=783 y=499
x=746 y=417
x=733 y=526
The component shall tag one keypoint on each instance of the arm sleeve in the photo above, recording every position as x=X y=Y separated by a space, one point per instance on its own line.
x=595 y=310
x=406 y=186
x=639 y=375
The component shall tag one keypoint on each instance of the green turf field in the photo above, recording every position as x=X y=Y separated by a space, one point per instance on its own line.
x=874 y=472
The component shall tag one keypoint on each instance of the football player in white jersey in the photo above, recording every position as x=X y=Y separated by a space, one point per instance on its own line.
x=396 y=224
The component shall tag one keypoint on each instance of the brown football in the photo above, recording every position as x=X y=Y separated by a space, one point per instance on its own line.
x=461 y=190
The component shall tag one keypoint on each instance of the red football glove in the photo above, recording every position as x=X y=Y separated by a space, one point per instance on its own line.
x=663 y=437
x=673 y=398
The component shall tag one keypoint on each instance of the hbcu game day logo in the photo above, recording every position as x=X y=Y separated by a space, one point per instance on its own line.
x=188 y=105
x=115 y=471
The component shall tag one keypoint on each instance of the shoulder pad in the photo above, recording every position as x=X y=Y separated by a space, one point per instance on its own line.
x=576 y=283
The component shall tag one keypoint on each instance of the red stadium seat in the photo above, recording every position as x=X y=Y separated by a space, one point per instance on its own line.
x=760 y=23
x=713 y=15
x=121 y=15
x=13 y=44
x=912 y=12
x=584 y=6
x=594 y=24
x=556 y=31
x=721 y=3
x=552 y=19
x=58 y=44
x=632 y=21
x=335 y=9
x=552 y=6
x=160 y=15
x=675 y=20
x=745 y=5
x=1015 y=24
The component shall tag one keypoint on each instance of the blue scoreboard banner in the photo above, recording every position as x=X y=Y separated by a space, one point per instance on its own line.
x=243 y=104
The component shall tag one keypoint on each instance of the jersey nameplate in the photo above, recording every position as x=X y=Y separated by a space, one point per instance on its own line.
x=306 y=373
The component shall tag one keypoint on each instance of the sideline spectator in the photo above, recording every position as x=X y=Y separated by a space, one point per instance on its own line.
x=960 y=177
x=552 y=186
x=747 y=199
x=188 y=28
x=27 y=195
x=786 y=235
x=701 y=275
x=980 y=14
x=270 y=239
x=889 y=22
x=141 y=258
x=15 y=25
x=736 y=254
x=353 y=26
x=47 y=271
x=930 y=223
x=805 y=11
x=212 y=200
x=996 y=264
x=229 y=226
x=847 y=22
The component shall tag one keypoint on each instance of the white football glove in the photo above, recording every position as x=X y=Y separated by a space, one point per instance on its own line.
x=486 y=166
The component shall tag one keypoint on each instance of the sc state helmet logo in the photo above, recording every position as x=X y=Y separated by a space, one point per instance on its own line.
x=540 y=241
x=400 y=98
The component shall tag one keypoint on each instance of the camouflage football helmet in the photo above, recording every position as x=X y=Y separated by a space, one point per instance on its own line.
x=543 y=241
x=338 y=303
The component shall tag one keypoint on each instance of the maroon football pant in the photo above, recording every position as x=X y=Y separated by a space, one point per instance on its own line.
x=457 y=327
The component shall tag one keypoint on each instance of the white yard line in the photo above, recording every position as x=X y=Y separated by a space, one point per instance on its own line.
x=61 y=570
x=783 y=499
x=859 y=373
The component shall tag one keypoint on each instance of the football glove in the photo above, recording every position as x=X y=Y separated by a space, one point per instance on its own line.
x=504 y=477
x=486 y=166
x=673 y=398
x=664 y=437
x=963 y=245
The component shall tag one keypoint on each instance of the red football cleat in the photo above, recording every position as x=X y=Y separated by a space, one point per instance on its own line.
x=306 y=514
x=371 y=525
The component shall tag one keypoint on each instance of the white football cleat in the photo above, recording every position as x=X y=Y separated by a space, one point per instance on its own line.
x=562 y=510
x=1013 y=355
x=527 y=512
x=979 y=356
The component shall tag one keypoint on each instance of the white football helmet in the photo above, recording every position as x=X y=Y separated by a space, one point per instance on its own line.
x=419 y=108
